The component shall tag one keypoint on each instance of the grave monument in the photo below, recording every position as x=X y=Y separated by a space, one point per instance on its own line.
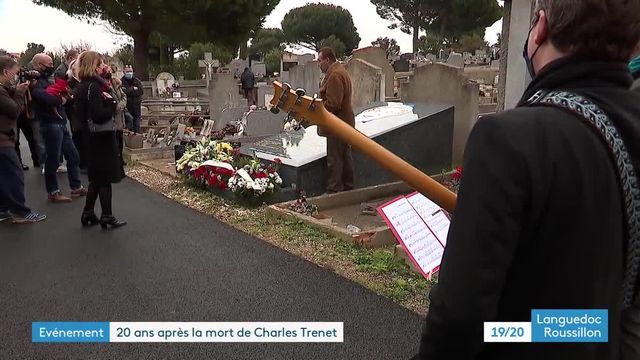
x=420 y=134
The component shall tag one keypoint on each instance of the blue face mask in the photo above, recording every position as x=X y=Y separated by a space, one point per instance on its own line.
x=128 y=76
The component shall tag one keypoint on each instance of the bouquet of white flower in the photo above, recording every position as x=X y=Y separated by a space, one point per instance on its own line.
x=204 y=150
x=255 y=179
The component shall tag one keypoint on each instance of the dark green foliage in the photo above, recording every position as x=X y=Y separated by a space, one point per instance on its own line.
x=312 y=24
x=229 y=22
x=447 y=19
x=336 y=44
x=390 y=46
x=32 y=50
x=272 y=61
x=266 y=40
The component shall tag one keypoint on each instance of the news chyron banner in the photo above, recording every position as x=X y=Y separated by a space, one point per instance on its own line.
x=552 y=326
x=184 y=332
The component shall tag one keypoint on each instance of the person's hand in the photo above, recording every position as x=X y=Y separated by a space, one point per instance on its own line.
x=64 y=100
x=107 y=95
x=22 y=88
x=135 y=88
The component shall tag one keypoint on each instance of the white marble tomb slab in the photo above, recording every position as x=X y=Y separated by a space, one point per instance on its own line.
x=305 y=146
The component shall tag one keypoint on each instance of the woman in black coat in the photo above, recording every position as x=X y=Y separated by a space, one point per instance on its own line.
x=95 y=110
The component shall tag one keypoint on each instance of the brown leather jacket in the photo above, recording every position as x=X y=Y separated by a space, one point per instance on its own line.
x=335 y=91
x=11 y=105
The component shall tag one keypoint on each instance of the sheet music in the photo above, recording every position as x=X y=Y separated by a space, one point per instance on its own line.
x=414 y=234
x=433 y=215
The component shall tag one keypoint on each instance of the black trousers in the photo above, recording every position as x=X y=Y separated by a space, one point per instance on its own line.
x=31 y=130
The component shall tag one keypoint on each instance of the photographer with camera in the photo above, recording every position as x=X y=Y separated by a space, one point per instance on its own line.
x=53 y=125
x=28 y=124
x=12 y=102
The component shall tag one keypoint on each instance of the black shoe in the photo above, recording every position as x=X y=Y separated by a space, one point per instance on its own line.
x=89 y=218
x=25 y=168
x=106 y=221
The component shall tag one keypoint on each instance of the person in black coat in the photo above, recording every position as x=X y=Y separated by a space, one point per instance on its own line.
x=540 y=217
x=248 y=81
x=95 y=109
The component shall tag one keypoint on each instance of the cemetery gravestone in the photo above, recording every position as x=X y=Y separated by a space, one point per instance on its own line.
x=401 y=65
x=307 y=77
x=224 y=93
x=456 y=60
x=259 y=69
x=264 y=122
x=431 y=57
x=377 y=56
x=453 y=87
x=233 y=114
x=420 y=134
x=264 y=89
x=163 y=81
x=368 y=82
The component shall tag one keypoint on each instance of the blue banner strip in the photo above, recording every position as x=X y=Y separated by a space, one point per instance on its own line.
x=70 y=332
x=570 y=326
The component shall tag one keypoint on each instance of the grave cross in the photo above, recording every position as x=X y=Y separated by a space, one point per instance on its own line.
x=208 y=63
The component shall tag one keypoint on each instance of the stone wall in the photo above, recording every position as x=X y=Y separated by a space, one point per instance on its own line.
x=444 y=84
x=307 y=77
x=368 y=82
x=378 y=57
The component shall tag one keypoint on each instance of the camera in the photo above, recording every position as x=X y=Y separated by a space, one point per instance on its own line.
x=27 y=75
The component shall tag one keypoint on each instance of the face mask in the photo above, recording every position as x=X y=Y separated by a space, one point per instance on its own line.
x=48 y=71
x=128 y=76
x=529 y=59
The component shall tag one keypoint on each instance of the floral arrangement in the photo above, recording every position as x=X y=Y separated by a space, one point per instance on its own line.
x=204 y=150
x=255 y=179
x=217 y=165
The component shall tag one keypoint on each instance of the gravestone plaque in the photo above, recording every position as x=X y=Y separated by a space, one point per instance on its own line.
x=420 y=134
x=264 y=122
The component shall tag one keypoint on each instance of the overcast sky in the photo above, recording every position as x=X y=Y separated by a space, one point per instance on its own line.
x=22 y=22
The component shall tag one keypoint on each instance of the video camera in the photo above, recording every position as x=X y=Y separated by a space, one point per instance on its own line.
x=27 y=75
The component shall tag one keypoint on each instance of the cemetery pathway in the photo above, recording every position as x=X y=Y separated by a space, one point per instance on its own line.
x=174 y=264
